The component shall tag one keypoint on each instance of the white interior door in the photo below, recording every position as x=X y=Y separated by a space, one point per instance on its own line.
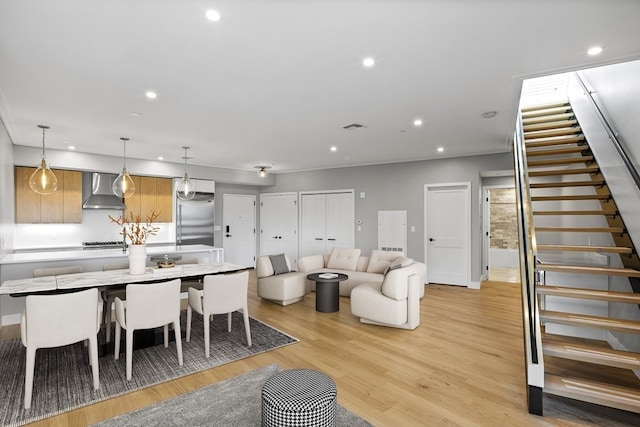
x=279 y=225
x=313 y=224
x=340 y=221
x=448 y=233
x=239 y=230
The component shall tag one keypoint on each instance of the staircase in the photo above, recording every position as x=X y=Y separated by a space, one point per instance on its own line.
x=574 y=213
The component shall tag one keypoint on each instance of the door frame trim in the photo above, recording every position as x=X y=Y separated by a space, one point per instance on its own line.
x=466 y=186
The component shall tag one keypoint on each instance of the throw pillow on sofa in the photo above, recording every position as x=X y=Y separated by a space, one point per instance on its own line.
x=279 y=264
x=401 y=261
x=380 y=260
x=343 y=259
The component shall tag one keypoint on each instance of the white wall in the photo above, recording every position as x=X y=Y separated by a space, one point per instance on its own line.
x=7 y=210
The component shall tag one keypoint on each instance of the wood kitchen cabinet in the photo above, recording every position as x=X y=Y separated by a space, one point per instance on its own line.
x=62 y=206
x=152 y=194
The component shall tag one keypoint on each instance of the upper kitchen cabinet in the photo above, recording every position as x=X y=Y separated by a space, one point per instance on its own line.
x=62 y=206
x=152 y=194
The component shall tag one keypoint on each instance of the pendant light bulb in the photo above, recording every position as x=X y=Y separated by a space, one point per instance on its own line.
x=123 y=186
x=43 y=180
x=263 y=171
x=185 y=190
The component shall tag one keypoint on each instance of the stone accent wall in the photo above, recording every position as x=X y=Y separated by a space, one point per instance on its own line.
x=504 y=218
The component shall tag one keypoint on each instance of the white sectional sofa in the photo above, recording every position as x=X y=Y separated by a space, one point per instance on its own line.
x=360 y=269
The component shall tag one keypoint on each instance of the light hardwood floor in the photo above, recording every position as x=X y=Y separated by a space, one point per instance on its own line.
x=462 y=366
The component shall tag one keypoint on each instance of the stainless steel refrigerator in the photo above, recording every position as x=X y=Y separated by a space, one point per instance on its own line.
x=195 y=220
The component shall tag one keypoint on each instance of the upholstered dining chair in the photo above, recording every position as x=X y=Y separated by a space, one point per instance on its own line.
x=109 y=295
x=148 y=306
x=58 y=320
x=221 y=294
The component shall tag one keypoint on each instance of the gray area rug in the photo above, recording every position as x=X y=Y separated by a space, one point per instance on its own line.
x=234 y=402
x=62 y=378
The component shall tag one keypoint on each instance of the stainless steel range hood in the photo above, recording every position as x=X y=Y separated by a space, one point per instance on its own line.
x=100 y=195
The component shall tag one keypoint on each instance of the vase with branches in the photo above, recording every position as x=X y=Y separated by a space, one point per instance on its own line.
x=134 y=229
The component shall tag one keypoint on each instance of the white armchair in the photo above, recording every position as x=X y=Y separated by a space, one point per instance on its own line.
x=148 y=306
x=57 y=320
x=221 y=294
x=283 y=289
x=395 y=303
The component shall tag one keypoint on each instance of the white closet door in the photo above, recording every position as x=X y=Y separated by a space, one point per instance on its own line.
x=313 y=225
x=279 y=224
x=340 y=219
x=288 y=226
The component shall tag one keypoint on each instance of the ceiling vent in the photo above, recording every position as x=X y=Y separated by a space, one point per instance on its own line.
x=352 y=126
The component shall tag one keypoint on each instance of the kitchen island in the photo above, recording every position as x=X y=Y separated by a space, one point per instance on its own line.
x=21 y=265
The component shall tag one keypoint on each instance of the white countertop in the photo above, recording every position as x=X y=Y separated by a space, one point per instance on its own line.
x=62 y=255
x=93 y=279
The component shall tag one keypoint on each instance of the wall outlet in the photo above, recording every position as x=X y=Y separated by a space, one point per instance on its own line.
x=413 y=228
x=359 y=228
x=362 y=195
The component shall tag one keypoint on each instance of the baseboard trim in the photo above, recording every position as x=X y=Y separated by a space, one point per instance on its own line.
x=11 y=319
x=474 y=285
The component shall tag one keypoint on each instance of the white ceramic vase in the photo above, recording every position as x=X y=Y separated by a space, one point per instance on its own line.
x=137 y=259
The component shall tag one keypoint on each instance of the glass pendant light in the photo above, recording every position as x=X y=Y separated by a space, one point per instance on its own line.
x=123 y=186
x=43 y=180
x=186 y=190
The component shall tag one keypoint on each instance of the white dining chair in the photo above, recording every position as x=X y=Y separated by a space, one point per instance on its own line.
x=148 y=306
x=221 y=294
x=58 y=320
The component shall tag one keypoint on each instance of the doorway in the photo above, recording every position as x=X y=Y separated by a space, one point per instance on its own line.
x=448 y=233
x=500 y=234
x=239 y=231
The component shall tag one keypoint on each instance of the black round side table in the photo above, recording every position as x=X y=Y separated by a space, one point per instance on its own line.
x=327 y=290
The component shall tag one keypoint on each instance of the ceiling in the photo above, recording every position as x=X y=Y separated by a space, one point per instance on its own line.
x=275 y=82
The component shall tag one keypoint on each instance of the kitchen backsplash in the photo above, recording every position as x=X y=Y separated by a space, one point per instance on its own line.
x=95 y=226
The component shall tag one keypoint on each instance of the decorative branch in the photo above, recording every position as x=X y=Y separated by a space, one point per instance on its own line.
x=134 y=229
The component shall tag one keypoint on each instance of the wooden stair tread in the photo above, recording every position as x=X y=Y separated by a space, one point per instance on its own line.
x=589 y=321
x=561 y=161
x=616 y=230
x=580 y=248
x=591 y=354
x=557 y=151
x=585 y=212
x=551 y=132
x=624 y=398
x=547 y=118
x=544 y=110
x=583 y=269
x=563 y=291
x=554 y=140
x=562 y=184
x=571 y=197
x=548 y=124
x=571 y=171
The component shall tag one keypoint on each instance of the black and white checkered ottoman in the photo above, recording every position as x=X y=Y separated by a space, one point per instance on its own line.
x=299 y=397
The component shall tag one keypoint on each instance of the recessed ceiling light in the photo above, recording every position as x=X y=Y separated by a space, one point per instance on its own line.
x=213 y=15
x=136 y=114
x=72 y=147
x=440 y=149
x=595 y=50
x=368 y=62
x=334 y=148
x=151 y=95
x=417 y=122
x=160 y=158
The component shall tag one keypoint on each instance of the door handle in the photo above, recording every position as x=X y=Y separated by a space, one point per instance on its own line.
x=431 y=239
x=228 y=235
x=227 y=230
x=333 y=240
x=318 y=238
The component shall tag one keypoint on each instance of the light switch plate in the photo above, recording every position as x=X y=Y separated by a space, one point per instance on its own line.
x=362 y=194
